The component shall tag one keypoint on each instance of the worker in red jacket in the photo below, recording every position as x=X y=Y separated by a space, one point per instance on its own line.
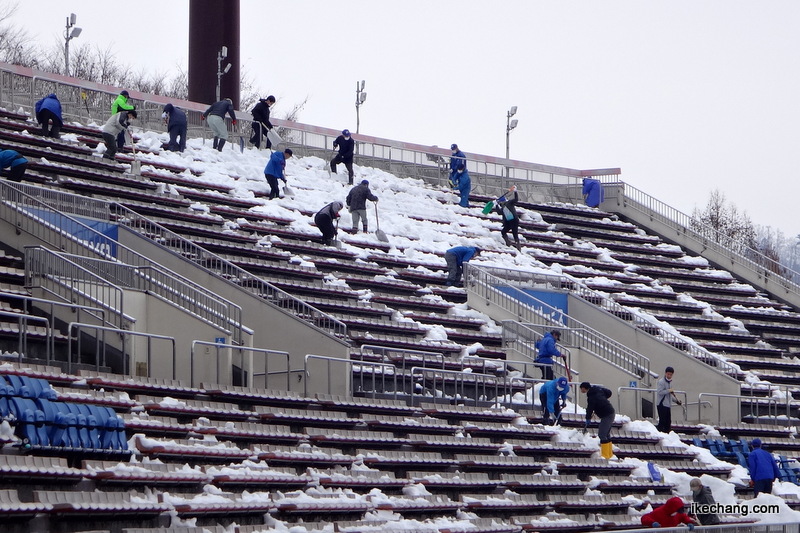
x=668 y=515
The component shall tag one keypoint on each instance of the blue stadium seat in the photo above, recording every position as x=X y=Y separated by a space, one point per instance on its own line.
x=5 y=393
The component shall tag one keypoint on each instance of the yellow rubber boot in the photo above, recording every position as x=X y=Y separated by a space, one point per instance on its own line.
x=606 y=450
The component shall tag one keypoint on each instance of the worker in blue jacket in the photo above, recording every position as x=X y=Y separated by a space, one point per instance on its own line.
x=48 y=114
x=553 y=397
x=274 y=170
x=593 y=192
x=763 y=468
x=463 y=183
x=16 y=162
x=547 y=350
x=456 y=159
x=455 y=259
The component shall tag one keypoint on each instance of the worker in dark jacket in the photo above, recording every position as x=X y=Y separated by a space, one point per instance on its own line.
x=324 y=221
x=357 y=204
x=261 y=123
x=553 y=397
x=15 y=162
x=455 y=259
x=702 y=496
x=463 y=183
x=48 y=114
x=347 y=147
x=176 y=127
x=275 y=169
x=763 y=468
x=121 y=104
x=215 y=114
x=597 y=403
x=507 y=208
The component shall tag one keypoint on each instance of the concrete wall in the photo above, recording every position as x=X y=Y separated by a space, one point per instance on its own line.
x=272 y=327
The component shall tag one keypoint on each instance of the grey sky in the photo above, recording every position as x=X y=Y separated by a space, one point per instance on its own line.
x=684 y=96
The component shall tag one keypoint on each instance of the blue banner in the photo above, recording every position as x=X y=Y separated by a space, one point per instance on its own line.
x=104 y=241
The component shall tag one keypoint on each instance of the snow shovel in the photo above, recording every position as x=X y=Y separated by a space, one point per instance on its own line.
x=273 y=136
x=287 y=191
x=488 y=207
x=336 y=241
x=379 y=232
x=136 y=165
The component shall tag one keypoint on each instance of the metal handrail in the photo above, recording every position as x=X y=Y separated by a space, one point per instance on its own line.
x=122 y=333
x=768 y=400
x=241 y=350
x=22 y=342
x=385 y=369
x=737 y=252
x=528 y=350
x=653 y=392
x=485 y=284
x=502 y=386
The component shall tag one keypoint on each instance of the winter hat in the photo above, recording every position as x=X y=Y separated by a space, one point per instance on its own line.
x=756 y=442
x=454 y=146
x=270 y=98
x=461 y=166
x=288 y=151
x=346 y=133
x=125 y=94
x=695 y=484
x=364 y=182
x=556 y=333
x=669 y=369
x=561 y=383
x=586 y=385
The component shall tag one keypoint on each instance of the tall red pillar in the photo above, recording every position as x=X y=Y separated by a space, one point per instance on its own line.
x=212 y=25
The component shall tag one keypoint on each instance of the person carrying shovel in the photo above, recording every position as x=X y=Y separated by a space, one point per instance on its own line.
x=357 y=204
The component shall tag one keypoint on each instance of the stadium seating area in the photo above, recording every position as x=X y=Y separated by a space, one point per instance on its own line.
x=91 y=450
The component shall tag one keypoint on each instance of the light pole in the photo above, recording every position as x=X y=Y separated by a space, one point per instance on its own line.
x=361 y=97
x=221 y=56
x=510 y=125
x=68 y=36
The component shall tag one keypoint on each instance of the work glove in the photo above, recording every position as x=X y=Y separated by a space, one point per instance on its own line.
x=233 y=122
x=202 y=118
x=284 y=180
x=564 y=405
x=656 y=524
x=678 y=402
x=690 y=526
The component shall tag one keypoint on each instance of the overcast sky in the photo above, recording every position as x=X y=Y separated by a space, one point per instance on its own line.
x=685 y=96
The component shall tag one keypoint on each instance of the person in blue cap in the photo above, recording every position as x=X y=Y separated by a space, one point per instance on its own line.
x=456 y=159
x=347 y=147
x=463 y=183
x=553 y=397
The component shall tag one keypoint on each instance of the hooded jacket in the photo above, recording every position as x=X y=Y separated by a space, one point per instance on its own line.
x=331 y=210
x=668 y=515
x=50 y=103
x=117 y=123
x=462 y=253
x=121 y=104
x=547 y=349
x=762 y=465
x=705 y=497
x=593 y=191
x=358 y=196
x=276 y=165
x=11 y=158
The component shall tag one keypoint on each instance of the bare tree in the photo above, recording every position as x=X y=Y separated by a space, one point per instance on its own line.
x=15 y=43
x=722 y=222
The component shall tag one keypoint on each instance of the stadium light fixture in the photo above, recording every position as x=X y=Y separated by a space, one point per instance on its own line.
x=361 y=97
x=510 y=125
x=70 y=32
x=221 y=56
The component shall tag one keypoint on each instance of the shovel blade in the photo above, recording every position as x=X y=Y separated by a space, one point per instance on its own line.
x=381 y=236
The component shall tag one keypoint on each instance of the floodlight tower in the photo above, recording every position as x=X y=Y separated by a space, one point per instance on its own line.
x=361 y=97
x=68 y=36
x=221 y=56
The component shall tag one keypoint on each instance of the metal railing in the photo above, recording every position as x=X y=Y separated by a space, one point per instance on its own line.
x=46 y=214
x=387 y=373
x=247 y=367
x=639 y=393
x=470 y=388
x=487 y=285
x=24 y=333
x=734 y=251
x=60 y=276
x=754 y=402
x=100 y=358
x=522 y=339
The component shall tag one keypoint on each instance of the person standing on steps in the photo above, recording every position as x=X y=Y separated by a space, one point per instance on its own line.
x=216 y=121
x=456 y=160
x=553 y=397
x=763 y=468
x=597 y=403
x=507 y=207
x=463 y=183
x=274 y=171
x=261 y=117
x=324 y=221
x=455 y=259
x=547 y=350
x=664 y=398
x=112 y=128
x=357 y=204
x=347 y=147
